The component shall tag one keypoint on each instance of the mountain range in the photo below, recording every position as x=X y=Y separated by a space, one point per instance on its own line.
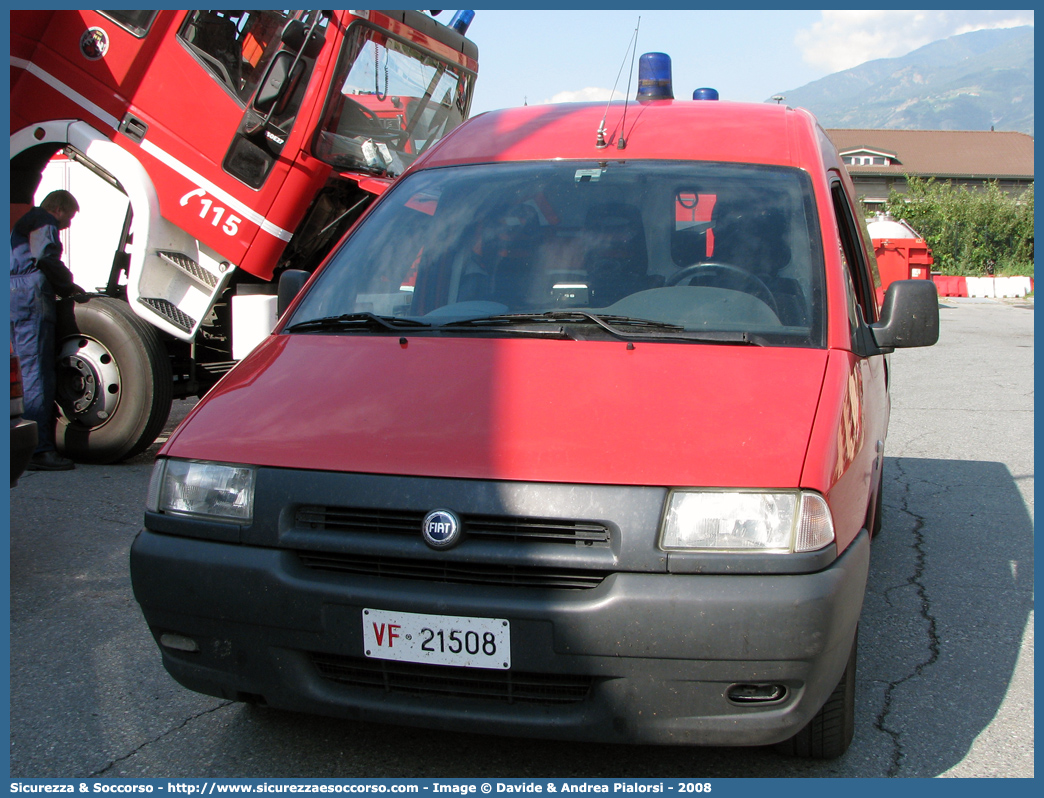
x=975 y=81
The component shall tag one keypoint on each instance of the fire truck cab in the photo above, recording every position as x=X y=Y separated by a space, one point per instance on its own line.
x=236 y=144
x=578 y=434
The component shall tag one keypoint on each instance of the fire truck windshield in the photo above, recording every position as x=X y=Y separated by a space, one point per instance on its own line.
x=667 y=249
x=388 y=102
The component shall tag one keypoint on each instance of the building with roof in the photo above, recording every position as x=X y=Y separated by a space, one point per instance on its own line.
x=879 y=160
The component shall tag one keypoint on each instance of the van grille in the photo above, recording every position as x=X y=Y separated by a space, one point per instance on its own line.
x=464 y=573
x=511 y=687
x=404 y=522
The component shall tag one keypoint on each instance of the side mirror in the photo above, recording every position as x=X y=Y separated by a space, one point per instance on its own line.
x=290 y=284
x=276 y=83
x=293 y=38
x=909 y=316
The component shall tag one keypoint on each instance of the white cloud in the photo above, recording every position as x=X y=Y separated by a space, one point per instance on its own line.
x=844 y=39
x=588 y=95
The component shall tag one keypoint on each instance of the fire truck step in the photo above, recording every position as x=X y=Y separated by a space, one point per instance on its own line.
x=190 y=267
x=169 y=311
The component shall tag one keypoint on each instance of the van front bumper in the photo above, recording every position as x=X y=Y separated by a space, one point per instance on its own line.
x=644 y=657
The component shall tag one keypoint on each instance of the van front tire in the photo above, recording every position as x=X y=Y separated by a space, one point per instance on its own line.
x=830 y=732
x=878 y=522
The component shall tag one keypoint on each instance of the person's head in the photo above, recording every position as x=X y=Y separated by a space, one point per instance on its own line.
x=752 y=237
x=615 y=230
x=62 y=205
x=512 y=233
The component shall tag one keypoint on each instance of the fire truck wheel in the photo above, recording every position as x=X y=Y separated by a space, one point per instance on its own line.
x=830 y=731
x=114 y=381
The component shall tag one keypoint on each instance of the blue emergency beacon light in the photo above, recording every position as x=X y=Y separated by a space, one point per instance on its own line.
x=461 y=20
x=654 y=77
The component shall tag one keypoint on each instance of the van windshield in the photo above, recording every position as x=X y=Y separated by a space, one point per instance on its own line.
x=657 y=249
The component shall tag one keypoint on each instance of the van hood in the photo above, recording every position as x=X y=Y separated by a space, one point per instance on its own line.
x=522 y=409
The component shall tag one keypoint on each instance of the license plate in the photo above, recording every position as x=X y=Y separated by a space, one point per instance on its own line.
x=437 y=639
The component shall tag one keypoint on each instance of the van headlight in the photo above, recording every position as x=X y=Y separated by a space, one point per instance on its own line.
x=200 y=489
x=740 y=521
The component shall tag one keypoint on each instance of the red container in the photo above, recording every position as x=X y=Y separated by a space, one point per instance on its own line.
x=901 y=253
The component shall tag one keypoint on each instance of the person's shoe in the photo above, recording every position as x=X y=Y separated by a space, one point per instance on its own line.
x=50 y=461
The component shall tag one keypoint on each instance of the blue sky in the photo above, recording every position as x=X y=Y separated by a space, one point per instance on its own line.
x=556 y=56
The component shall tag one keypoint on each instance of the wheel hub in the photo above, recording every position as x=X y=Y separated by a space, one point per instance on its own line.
x=89 y=386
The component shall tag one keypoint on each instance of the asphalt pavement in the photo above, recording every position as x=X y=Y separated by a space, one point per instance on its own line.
x=945 y=679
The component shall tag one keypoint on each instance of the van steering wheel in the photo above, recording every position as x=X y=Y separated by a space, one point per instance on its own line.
x=745 y=281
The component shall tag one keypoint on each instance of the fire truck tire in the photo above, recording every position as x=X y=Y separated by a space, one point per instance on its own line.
x=829 y=733
x=114 y=387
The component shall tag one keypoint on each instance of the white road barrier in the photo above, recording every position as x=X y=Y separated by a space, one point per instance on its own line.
x=999 y=286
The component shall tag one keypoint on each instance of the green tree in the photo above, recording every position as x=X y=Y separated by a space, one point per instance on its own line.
x=969 y=231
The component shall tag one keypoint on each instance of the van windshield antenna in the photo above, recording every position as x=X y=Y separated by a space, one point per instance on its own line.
x=627 y=97
x=633 y=46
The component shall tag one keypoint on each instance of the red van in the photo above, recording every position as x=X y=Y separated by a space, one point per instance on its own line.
x=578 y=434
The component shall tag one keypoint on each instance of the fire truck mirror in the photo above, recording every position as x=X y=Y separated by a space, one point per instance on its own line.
x=276 y=81
x=294 y=38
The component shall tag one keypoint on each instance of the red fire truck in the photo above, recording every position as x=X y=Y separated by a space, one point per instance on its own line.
x=241 y=143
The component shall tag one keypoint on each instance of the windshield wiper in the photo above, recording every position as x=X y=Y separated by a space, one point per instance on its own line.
x=349 y=322
x=581 y=316
x=358 y=321
x=625 y=328
x=636 y=329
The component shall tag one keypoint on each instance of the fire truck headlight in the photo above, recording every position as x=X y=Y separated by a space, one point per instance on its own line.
x=746 y=521
x=203 y=490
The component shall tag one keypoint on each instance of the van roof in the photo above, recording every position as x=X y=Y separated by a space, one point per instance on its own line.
x=662 y=129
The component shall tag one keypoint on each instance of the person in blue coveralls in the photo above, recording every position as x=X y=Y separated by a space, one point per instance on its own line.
x=38 y=277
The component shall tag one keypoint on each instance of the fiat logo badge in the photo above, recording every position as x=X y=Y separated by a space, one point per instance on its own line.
x=442 y=529
x=94 y=44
